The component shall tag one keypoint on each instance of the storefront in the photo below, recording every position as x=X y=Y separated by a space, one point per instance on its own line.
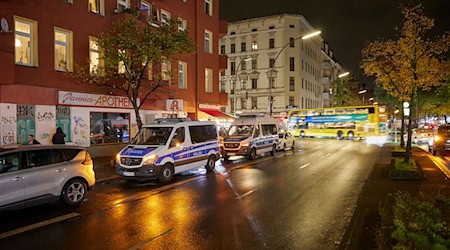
x=211 y=112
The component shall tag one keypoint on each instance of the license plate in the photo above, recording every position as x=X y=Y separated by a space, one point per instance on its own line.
x=128 y=173
x=231 y=154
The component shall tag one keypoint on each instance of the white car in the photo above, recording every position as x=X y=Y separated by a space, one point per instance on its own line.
x=285 y=141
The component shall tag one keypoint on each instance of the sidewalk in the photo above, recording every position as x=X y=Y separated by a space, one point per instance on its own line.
x=104 y=171
x=361 y=232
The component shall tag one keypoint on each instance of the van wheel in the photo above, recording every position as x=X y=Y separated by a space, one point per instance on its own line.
x=274 y=150
x=74 y=192
x=210 y=164
x=166 y=174
x=253 y=154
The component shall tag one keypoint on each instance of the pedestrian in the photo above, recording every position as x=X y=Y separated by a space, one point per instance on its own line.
x=58 y=137
x=31 y=140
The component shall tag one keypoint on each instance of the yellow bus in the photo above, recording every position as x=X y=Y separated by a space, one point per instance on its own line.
x=339 y=122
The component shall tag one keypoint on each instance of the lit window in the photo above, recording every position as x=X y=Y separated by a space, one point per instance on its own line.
x=208 y=80
x=208 y=7
x=122 y=5
x=25 y=44
x=182 y=75
x=121 y=67
x=254 y=45
x=165 y=17
x=96 y=6
x=94 y=56
x=63 y=49
x=208 y=41
x=165 y=71
x=147 y=9
x=182 y=24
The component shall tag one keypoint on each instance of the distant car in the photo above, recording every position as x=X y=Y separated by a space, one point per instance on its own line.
x=285 y=141
x=440 y=141
x=419 y=136
x=37 y=174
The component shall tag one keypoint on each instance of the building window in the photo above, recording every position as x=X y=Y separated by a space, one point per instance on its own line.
x=271 y=62
x=182 y=24
x=243 y=103
x=232 y=86
x=110 y=128
x=254 y=83
x=254 y=45
x=208 y=80
x=271 y=27
x=165 y=70
x=291 y=26
x=222 y=49
x=209 y=7
x=254 y=102
x=68 y=1
x=63 y=42
x=291 y=63
x=233 y=48
x=243 y=65
x=232 y=104
x=254 y=29
x=271 y=43
x=291 y=101
x=303 y=84
x=273 y=82
x=208 y=41
x=243 y=46
x=244 y=84
x=254 y=63
x=122 y=5
x=182 y=75
x=291 y=84
x=25 y=31
x=96 y=6
x=233 y=68
x=94 y=56
x=147 y=9
x=222 y=86
x=291 y=42
x=165 y=17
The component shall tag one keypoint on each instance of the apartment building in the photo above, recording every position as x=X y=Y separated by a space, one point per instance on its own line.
x=39 y=39
x=267 y=49
x=330 y=72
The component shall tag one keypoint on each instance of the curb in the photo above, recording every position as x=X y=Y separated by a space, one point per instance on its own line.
x=107 y=178
x=442 y=164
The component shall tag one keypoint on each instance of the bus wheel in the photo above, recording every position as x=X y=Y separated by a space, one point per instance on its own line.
x=339 y=135
x=302 y=134
x=350 y=135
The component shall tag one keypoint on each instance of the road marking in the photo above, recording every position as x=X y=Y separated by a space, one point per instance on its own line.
x=304 y=166
x=251 y=191
x=140 y=196
x=138 y=246
x=38 y=225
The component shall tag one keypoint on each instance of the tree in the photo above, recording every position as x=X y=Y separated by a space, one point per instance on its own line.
x=344 y=93
x=412 y=62
x=133 y=54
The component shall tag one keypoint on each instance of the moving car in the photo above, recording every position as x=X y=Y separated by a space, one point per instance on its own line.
x=250 y=136
x=169 y=147
x=440 y=143
x=419 y=136
x=285 y=141
x=36 y=174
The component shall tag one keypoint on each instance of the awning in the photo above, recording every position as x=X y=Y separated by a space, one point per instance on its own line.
x=217 y=114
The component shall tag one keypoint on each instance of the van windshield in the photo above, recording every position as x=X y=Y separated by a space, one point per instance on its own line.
x=153 y=136
x=241 y=130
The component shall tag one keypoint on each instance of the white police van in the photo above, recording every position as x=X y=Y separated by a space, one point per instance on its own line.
x=169 y=147
x=250 y=136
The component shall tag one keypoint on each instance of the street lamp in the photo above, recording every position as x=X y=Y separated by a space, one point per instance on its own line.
x=248 y=58
x=344 y=74
x=276 y=57
x=364 y=96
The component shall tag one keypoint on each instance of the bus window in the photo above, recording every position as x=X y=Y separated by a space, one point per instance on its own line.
x=349 y=111
x=381 y=109
x=339 y=111
x=329 y=112
x=372 y=110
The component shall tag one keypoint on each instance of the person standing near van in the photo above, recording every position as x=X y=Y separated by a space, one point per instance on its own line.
x=31 y=140
x=58 y=137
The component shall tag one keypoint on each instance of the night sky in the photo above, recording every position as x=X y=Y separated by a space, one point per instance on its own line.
x=347 y=25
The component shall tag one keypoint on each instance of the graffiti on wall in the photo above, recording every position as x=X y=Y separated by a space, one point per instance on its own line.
x=63 y=120
x=45 y=123
x=7 y=127
x=80 y=131
x=25 y=122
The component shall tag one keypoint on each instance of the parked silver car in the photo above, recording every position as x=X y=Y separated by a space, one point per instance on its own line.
x=36 y=174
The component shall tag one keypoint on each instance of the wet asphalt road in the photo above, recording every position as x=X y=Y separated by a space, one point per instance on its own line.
x=295 y=200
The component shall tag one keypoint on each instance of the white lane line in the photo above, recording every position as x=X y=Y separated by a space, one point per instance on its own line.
x=155 y=191
x=251 y=191
x=304 y=166
x=325 y=155
x=140 y=245
x=38 y=225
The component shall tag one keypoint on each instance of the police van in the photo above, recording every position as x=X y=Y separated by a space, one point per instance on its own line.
x=250 y=136
x=168 y=147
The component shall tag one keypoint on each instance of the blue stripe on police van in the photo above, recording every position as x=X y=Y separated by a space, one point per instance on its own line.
x=130 y=151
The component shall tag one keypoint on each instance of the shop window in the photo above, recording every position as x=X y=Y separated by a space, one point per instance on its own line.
x=25 y=41
x=110 y=128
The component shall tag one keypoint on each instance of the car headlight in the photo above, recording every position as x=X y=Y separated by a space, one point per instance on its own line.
x=245 y=144
x=118 y=158
x=436 y=138
x=150 y=159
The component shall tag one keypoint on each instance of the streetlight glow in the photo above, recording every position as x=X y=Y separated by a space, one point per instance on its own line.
x=362 y=91
x=311 y=35
x=371 y=99
x=248 y=58
x=343 y=74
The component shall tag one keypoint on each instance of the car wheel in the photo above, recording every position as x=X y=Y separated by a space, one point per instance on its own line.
x=293 y=146
x=253 y=154
x=211 y=163
x=274 y=150
x=74 y=192
x=166 y=174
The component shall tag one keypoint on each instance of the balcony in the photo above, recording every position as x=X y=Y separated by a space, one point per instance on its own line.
x=223 y=62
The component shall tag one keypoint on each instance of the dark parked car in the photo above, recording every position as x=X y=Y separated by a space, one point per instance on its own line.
x=440 y=142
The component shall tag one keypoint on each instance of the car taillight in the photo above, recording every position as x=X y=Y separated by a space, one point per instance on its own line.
x=87 y=159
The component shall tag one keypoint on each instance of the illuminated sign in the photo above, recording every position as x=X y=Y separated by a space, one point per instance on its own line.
x=93 y=100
